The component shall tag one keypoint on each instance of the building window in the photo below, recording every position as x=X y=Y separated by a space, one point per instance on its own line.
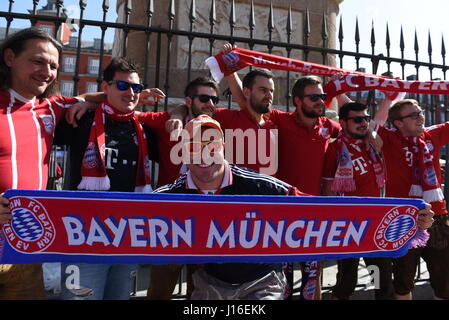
x=91 y=87
x=47 y=28
x=69 y=64
x=67 y=88
x=93 y=66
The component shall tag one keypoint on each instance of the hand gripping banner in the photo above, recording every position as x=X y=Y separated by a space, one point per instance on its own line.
x=115 y=227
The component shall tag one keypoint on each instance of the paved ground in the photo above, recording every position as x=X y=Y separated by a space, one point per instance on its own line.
x=363 y=292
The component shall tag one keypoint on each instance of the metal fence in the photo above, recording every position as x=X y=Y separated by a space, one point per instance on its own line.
x=168 y=33
x=160 y=39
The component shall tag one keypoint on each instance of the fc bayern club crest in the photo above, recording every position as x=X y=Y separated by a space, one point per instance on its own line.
x=231 y=61
x=31 y=229
x=90 y=156
x=396 y=228
x=47 y=120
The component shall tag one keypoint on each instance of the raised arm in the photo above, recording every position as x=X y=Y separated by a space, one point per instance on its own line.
x=234 y=82
x=381 y=115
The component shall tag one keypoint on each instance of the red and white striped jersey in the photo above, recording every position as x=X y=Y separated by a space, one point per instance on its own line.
x=26 y=137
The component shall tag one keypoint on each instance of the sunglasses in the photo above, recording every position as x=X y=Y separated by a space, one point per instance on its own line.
x=197 y=147
x=360 y=119
x=123 y=85
x=413 y=115
x=314 y=97
x=204 y=98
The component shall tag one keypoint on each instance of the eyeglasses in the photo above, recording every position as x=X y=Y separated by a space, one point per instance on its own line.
x=314 y=97
x=123 y=85
x=413 y=115
x=204 y=98
x=359 y=119
x=197 y=147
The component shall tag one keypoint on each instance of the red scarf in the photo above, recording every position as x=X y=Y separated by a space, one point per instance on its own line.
x=365 y=82
x=344 y=176
x=222 y=65
x=93 y=169
x=425 y=183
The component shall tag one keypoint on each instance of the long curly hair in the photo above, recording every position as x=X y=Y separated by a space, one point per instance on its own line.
x=17 y=43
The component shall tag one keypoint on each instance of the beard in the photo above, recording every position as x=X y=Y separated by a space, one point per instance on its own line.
x=357 y=135
x=313 y=113
x=260 y=107
x=197 y=111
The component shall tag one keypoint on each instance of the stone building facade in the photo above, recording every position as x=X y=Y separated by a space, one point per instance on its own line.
x=179 y=52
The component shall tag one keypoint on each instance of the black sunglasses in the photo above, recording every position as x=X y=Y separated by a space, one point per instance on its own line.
x=314 y=97
x=413 y=115
x=123 y=85
x=359 y=119
x=205 y=98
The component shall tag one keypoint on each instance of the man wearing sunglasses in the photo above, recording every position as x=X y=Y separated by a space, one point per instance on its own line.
x=412 y=154
x=108 y=152
x=251 y=128
x=303 y=137
x=352 y=170
x=201 y=97
x=209 y=173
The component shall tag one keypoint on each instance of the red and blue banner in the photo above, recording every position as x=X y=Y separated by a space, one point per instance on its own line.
x=118 y=227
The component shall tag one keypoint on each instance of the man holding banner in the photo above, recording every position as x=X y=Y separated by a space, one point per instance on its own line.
x=108 y=152
x=309 y=132
x=30 y=109
x=352 y=170
x=209 y=173
x=412 y=154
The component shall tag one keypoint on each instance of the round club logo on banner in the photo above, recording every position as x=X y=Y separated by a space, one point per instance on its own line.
x=31 y=229
x=396 y=228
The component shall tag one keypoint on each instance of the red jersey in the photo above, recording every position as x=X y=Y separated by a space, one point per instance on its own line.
x=399 y=159
x=168 y=171
x=254 y=145
x=27 y=129
x=301 y=151
x=363 y=171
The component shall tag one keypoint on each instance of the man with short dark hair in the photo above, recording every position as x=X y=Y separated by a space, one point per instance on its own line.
x=352 y=170
x=254 y=135
x=303 y=137
x=412 y=154
x=108 y=152
x=201 y=97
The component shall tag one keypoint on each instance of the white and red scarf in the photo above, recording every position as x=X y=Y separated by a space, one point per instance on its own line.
x=390 y=87
x=425 y=182
x=222 y=65
x=344 y=176
x=93 y=169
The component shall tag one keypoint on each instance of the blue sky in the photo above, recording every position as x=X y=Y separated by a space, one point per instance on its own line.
x=93 y=11
x=422 y=15
x=411 y=14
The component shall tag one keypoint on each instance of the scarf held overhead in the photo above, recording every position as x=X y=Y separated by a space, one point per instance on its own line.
x=157 y=228
x=364 y=82
x=93 y=168
x=222 y=65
